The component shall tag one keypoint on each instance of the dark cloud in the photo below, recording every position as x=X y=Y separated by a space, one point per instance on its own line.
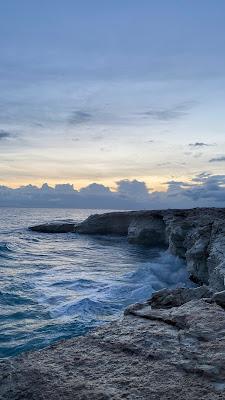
x=204 y=190
x=150 y=141
x=79 y=117
x=133 y=189
x=5 y=134
x=217 y=159
x=209 y=188
x=95 y=189
x=199 y=144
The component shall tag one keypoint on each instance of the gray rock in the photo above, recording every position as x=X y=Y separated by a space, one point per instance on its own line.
x=148 y=230
x=172 y=347
x=54 y=227
x=197 y=235
x=168 y=298
x=160 y=354
x=219 y=298
x=115 y=223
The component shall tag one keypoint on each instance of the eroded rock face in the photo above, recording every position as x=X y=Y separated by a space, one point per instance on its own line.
x=148 y=230
x=197 y=235
x=170 y=348
x=115 y=223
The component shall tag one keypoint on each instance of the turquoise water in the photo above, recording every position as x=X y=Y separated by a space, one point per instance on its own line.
x=62 y=285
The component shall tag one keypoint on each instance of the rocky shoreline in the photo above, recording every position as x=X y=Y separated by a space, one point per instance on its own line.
x=196 y=235
x=170 y=347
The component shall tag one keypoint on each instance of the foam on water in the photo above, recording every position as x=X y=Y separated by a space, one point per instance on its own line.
x=62 y=285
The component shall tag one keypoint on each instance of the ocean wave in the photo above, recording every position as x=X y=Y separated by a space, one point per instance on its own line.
x=166 y=271
x=11 y=299
x=86 y=308
x=53 y=287
x=5 y=250
x=5 y=247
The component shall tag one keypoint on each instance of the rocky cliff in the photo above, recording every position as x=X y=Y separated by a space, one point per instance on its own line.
x=197 y=235
x=172 y=347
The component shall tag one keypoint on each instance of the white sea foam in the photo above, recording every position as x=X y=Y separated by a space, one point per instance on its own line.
x=61 y=285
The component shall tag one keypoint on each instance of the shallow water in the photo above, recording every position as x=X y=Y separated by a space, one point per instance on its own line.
x=55 y=286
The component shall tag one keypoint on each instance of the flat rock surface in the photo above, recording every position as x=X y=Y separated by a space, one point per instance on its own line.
x=158 y=354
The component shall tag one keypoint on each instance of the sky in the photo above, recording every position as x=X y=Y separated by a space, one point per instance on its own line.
x=110 y=91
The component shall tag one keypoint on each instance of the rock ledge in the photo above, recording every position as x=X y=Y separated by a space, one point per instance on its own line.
x=170 y=348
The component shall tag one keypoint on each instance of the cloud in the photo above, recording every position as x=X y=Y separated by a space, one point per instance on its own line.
x=169 y=113
x=97 y=138
x=150 y=141
x=199 y=144
x=4 y=135
x=197 y=155
x=95 y=189
x=132 y=189
x=204 y=190
x=79 y=117
x=217 y=159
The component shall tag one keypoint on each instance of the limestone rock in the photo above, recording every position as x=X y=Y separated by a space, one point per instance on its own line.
x=148 y=230
x=159 y=354
x=115 y=223
x=168 y=298
x=197 y=235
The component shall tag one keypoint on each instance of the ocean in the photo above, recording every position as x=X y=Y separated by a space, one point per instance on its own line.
x=57 y=286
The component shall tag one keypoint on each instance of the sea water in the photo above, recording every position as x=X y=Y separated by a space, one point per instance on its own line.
x=55 y=286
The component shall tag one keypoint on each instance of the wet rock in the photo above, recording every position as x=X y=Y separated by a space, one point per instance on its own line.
x=171 y=347
x=56 y=227
x=196 y=235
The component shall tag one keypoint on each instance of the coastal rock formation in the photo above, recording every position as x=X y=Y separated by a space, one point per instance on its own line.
x=54 y=227
x=196 y=235
x=170 y=348
x=115 y=223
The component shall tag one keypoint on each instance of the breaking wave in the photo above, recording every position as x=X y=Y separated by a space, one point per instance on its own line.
x=59 y=286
